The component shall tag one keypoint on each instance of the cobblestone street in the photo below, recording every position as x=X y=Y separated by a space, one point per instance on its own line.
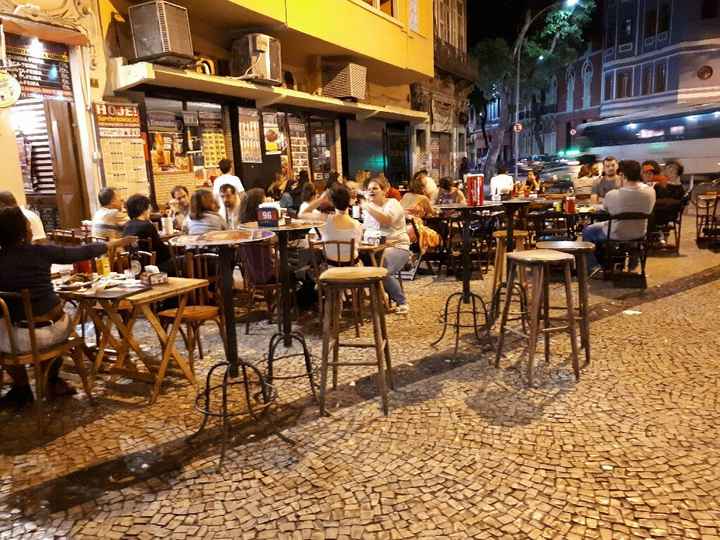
x=468 y=451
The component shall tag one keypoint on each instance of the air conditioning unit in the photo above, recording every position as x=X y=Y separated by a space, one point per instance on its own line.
x=344 y=80
x=161 y=33
x=257 y=57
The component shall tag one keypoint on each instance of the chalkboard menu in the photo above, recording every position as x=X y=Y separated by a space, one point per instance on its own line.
x=43 y=67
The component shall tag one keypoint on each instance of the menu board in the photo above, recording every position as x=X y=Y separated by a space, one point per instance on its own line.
x=212 y=137
x=43 y=68
x=249 y=129
x=273 y=134
x=122 y=147
x=298 y=143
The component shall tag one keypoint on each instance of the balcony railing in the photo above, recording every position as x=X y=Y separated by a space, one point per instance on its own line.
x=455 y=62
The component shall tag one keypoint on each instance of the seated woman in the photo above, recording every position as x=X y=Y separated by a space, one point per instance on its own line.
x=138 y=209
x=308 y=196
x=277 y=188
x=339 y=226
x=24 y=265
x=449 y=192
x=416 y=202
x=386 y=217
x=249 y=206
x=204 y=216
x=584 y=182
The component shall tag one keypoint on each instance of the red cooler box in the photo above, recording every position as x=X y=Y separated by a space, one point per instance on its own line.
x=474 y=188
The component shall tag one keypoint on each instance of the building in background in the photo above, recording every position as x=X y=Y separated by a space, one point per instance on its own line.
x=440 y=145
x=338 y=98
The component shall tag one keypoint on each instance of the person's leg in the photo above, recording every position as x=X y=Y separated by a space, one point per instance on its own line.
x=394 y=260
x=596 y=234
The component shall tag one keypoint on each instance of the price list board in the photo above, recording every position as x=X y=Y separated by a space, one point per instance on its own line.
x=212 y=137
x=43 y=68
x=249 y=129
x=122 y=147
x=298 y=143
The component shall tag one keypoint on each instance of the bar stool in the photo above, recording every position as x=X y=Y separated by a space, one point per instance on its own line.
x=540 y=261
x=580 y=250
x=501 y=251
x=357 y=278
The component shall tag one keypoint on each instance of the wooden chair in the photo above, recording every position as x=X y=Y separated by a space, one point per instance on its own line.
x=259 y=265
x=338 y=253
x=616 y=251
x=41 y=360
x=204 y=305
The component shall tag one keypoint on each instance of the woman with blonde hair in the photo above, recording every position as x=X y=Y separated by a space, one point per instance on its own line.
x=415 y=201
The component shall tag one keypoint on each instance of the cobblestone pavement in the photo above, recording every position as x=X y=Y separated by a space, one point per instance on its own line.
x=631 y=451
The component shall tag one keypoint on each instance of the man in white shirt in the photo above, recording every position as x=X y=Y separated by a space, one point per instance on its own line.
x=230 y=207
x=7 y=200
x=632 y=196
x=110 y=220
x=502 y=183
x=225 y=167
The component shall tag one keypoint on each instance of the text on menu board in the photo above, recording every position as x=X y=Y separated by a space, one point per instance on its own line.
x=43 y=68
x=117 y=120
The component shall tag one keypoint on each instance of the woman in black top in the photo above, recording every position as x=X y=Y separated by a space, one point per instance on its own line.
x=138 y=209
x=24 y=265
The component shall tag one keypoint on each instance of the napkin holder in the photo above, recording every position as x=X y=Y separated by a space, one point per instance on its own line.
x=153 y=278
x=268 y=216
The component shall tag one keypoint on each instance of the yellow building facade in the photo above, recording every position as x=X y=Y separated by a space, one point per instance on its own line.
x=392 y=39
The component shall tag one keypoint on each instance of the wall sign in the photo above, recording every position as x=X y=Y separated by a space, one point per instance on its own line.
x=249 y=130
x=43 y=68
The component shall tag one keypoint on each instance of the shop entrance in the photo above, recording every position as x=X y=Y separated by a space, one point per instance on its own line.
x=43 y=121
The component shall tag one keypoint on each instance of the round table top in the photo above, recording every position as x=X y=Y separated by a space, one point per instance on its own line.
x=294 y=225
x=461 y=206
x=540 y=256
x=567 y=246
x=221 y=238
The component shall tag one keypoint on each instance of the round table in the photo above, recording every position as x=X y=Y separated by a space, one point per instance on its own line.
x=225 y=241
x=466 y=296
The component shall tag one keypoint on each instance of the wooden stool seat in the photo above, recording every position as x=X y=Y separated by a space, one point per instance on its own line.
x=195 y=313
x=517 y=233
x=540 y=256
x=335 y=281
x=580 y=251
x=540 y=261
x=353 y=275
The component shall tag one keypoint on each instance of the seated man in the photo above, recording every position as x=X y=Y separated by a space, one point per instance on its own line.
x=230 y=208
x=607 y=182
x=109 y=221
x=633 y=196
x=668 y=197
x=179 y=206
x=501 y=184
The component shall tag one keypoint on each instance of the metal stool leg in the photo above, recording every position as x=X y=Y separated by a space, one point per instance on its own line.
x=377 y=291
x=582 y=275
x=546 y=312
x=327 y=330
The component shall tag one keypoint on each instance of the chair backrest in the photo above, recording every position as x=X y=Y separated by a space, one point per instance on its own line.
x=24 y=298
x=627 y=216
x=203 y=265
x=339 y=252
x=259 y=264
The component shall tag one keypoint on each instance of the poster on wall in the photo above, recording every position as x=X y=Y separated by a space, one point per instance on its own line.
x=298 y=143
x=249 y=130
x=273 y=134
x=213 y=138
x=122 y=147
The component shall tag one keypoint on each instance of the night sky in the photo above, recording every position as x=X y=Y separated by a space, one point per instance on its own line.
x=503 y=18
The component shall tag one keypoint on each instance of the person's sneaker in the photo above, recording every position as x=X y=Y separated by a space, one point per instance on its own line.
x=402 y=309
x=17 y=398
x=595 y=272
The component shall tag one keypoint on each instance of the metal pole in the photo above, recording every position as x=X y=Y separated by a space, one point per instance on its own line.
x=517 y=110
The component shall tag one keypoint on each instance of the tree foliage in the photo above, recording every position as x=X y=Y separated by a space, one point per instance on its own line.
x=556 y=37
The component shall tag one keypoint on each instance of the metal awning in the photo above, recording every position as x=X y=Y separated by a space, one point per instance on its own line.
x=127 y=77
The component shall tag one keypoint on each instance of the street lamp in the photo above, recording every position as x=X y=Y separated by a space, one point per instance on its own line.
x=570 y=4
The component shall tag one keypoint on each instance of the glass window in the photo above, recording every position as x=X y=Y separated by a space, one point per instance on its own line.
x=587 y=76
x=709 y=9
x=622 y=85
x=608 y=87
x=650 y=22
x=647 y=80
x=660 y=77
x=386 y=6
x=413 y=15
x=570 y=95
x=664 y=17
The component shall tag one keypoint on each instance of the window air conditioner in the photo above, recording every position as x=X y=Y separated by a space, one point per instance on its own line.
x=257 y=57
x=161 y=33
x=344 y=80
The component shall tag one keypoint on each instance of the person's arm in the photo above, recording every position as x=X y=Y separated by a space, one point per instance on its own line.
x=314 y=205
x=71 y=254
x=386 y=216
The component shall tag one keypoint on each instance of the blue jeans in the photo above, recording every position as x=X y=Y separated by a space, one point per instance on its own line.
x=596 y=234
x=394 y=259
